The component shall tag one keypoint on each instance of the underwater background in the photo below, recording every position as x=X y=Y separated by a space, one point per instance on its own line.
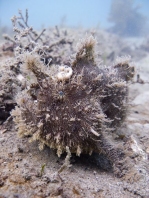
x=74 y=79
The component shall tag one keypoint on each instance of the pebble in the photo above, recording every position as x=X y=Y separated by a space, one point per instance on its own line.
x=94 y=172
x=17 y=179
x=1 y=183
x=2 y=140
x=3 y=131
x=147 y=150
x=20 y=150
x=27 y=177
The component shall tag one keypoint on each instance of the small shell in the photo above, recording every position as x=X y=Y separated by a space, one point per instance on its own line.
x=64 y=72
x=20 y=77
